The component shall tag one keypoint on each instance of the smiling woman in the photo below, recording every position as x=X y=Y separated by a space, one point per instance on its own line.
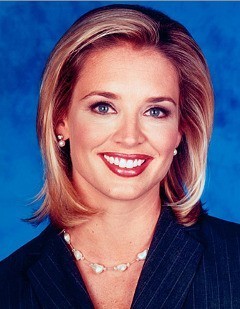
x=122 y=109
x=124 y=121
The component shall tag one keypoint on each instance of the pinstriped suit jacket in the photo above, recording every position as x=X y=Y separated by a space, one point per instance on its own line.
x=196 y=267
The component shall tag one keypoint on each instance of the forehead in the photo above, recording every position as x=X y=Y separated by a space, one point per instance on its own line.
x=128 y=66
x=124 y=52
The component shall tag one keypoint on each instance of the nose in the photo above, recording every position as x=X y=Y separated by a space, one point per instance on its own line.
x=129 y=132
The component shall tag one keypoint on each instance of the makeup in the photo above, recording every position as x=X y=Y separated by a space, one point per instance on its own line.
x=126 y=165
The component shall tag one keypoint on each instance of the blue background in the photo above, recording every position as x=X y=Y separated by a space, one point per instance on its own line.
x=28 y=32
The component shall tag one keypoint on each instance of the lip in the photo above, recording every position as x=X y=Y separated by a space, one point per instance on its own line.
x=123 y=171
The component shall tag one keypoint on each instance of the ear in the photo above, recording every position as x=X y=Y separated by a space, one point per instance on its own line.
x=63 y=129
x=179 y=138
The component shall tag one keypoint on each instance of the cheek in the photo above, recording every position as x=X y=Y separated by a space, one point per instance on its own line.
x=85 y=134
x=165 y=140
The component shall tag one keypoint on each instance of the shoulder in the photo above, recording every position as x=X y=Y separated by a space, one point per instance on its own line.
x=17 y=264
x=220 y=238
x=218 y=271
x=219 y=227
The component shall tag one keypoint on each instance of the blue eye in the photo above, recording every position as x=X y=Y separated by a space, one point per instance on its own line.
x=156 y=112
x=102 y=108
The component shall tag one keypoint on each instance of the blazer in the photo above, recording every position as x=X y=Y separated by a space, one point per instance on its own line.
x=186 y=267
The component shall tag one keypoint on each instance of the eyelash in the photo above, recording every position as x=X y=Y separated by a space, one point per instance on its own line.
x=159 y=109
x=103 y=104
x=164 y=112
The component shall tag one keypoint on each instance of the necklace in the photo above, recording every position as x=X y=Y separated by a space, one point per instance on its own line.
x=99 y=268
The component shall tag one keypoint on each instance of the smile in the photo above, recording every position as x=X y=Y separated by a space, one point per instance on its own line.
x=123 y=163
x=126 y=165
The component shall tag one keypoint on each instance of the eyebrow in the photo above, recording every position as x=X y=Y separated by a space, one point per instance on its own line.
x=108 y=95
x=113 y=96
x=161 y=99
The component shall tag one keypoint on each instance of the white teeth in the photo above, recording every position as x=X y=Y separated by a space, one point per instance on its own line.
x=123 y=163
x=111 y=160
x=116 y=161
x=129 y=164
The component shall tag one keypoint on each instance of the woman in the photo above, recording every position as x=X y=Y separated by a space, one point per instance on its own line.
x=124 y=121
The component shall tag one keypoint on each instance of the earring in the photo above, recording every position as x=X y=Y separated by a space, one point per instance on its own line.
x=61 y=142
x=175 y=152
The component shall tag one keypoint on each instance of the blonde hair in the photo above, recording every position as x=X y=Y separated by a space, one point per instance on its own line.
x=183 y=185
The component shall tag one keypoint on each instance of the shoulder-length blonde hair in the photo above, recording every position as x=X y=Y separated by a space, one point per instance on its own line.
x=104 y=27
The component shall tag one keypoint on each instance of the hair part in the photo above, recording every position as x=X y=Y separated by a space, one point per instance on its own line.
x=102 y=28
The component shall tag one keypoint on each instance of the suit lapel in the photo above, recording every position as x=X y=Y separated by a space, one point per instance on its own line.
x=56 y=280
x=167 y=274
x=169 y=269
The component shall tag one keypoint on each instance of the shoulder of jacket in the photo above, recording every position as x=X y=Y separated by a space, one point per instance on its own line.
x=16 y=264
x=216 y=234
x=221 y=226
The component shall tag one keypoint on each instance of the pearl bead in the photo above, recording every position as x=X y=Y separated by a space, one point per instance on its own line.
x=78 y=255
x=97 y=268
x=142 y=255
x=61 y=143
x=121 y=267
x=67 y=238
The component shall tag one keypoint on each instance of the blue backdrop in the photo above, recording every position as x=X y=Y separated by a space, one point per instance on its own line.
x=28 y=32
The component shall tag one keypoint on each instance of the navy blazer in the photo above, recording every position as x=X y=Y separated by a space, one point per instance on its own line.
x=186 y=267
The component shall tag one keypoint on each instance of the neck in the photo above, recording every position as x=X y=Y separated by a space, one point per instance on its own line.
x=122 y=228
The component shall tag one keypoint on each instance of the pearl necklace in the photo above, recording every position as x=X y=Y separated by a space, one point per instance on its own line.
x=99 y=268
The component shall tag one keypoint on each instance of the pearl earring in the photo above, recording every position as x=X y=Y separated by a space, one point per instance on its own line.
x=175 y=152
x=61 y=142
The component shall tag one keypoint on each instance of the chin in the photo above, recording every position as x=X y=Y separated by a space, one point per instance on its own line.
x=125 y=194
x=122 y=193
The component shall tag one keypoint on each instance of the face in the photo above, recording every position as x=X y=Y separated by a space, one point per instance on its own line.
x=123 y=123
